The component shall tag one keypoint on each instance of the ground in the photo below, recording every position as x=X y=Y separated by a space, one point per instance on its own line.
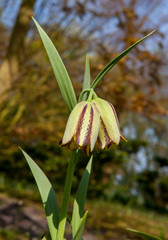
x=23 y=220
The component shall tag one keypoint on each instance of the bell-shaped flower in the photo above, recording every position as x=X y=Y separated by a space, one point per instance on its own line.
x=82 y=127
x=109 y=130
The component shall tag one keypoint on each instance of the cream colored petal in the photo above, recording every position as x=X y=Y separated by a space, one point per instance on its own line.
x=109 y=119
x=95 y=128
x=103 y=137
x=84 y=125
x=88 y=127
x=72 y=122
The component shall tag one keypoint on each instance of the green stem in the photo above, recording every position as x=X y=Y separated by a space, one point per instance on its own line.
x=94 y=95
x=67 y=190
x=90 y=95
x=82 y=93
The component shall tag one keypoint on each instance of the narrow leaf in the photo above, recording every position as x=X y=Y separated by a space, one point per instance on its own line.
x=44 y=238
x=59 y=69
x=144 y=235
x=48 y=196
x=78 y=235
x=111 y=64
x=80 y=198
x=86 y=81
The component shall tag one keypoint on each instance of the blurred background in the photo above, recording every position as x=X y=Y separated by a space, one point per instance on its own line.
x=129 y=182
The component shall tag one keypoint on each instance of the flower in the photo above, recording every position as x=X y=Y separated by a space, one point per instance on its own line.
x=92 y=122
x=109 y=130
x=82 y=127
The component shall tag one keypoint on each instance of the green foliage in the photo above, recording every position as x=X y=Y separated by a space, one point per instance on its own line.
x=44 y=238
x=79 y=232
x=148 y=185
x=7 y=234
x=145 y=236
x=133 y=145
x=67 y=191
x=47 y=194
x=161 y=161
x=108 y=165
x=86 y=81
x=68 y=94
x=112 y=63
x=48 y=156
x=59 y=69
x=79 y=201
x=40 y=127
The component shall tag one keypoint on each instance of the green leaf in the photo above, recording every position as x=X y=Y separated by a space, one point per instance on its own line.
x=144 y=235
x=44 y=238
x=86 y=81
x=48 y=196
x=111 y=64
x=78 y=235
x=59 y=69
x=80 y=198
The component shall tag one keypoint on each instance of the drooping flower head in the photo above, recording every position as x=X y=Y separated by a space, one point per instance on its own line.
x=92 y=122
x=82 y=127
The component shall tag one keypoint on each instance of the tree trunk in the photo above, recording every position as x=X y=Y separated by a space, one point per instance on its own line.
x=10 y=66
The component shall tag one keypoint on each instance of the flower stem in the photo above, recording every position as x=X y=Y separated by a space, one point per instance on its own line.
x=90 y=95
x=66 y=196
x=82 y=93
x=94 y=95
x=90 y=92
